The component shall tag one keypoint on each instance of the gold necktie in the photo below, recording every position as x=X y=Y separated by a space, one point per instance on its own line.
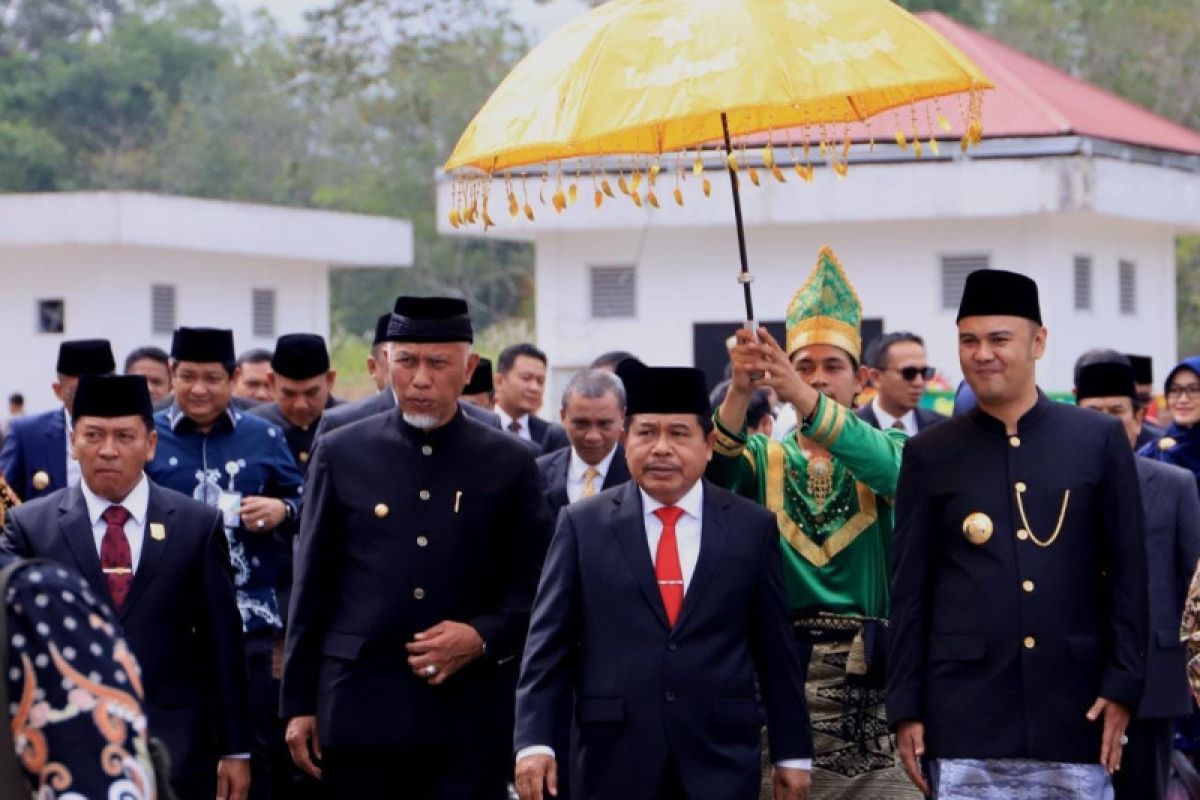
x=589 y=481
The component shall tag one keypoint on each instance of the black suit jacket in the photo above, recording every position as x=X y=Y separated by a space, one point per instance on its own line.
x=645 y=692
x=180 y=620
x=925 y=417
x=1172 y=550
x=403 y=529
x=1001 y=646
x=554 y=467
x=550 y=436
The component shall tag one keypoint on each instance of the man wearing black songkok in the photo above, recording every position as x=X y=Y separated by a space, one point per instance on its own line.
x=418 y=557
x=36 y=456
x=1018 y=618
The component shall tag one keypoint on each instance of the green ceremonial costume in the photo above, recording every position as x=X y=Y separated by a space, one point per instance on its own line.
x=835 y=518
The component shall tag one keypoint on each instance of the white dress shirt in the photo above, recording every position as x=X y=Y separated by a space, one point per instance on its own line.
x=135 y=527
x=576 y=470
x=886 y=420
x=74 y=474
x=523 y=421
x=687 y=540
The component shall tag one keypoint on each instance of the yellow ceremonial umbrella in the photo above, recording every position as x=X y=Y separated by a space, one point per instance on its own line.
x=634 y=87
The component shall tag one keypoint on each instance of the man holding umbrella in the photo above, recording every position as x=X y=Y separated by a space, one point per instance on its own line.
x=830 y=487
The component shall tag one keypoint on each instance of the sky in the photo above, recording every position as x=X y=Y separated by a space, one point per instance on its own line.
x=541 y=19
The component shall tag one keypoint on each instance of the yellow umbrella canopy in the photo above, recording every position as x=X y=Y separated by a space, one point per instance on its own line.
x=654 y=76
x=632 y=81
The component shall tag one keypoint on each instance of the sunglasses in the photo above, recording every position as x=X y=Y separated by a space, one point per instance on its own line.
x=910 y=373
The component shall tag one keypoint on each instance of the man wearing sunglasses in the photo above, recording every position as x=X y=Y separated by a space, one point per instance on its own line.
x=899 y=371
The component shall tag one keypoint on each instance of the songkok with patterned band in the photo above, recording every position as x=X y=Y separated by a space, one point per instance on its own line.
x=998 y=293
x=111 y=396
x=203 y=346
x=430 y=319
x=300 y=356
x=85 y=357
x=826 y=310
x=1105 y=379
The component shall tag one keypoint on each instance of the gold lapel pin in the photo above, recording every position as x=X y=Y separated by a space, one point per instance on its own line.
x=303 y=456
x=41 y=480
x=977 y=527
x=158 y=531
x=381 y=510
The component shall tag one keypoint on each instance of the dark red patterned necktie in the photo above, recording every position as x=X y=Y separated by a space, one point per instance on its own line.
x=116 y=559
x=666 y=563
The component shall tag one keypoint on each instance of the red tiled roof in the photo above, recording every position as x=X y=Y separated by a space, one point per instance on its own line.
x=1032 y=98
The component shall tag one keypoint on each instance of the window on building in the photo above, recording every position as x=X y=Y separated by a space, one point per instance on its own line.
x=162 y=309
x=613 y=292
x=1127 y=286
x=52 y=316
x=262 y=313
x=1083 y=283
x=955 y=269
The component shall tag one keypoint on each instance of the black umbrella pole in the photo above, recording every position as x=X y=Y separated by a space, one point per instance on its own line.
x=744 y=278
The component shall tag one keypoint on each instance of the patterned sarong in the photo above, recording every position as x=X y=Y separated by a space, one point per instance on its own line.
x=1011 y=779
x=855 y=754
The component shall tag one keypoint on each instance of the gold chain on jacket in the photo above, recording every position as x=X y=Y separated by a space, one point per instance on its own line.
x=1062 y=515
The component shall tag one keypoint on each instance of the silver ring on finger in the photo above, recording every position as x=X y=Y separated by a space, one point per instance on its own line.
x=1124 y=740
x=431 y=670
x=260 y=524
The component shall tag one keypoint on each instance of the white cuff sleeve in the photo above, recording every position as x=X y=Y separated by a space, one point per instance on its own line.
x=237 y=755
x=795 y=763
x=535 y=750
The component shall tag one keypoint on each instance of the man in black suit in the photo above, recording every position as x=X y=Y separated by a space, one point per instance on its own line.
x=302 y=382
x=419 y=549
x=1018 y=619
x=162 y=562
x=36 y=454
x=593 y=414
x=520 y=385
x=661 y=616
x=900 y=371
x=1172 y=550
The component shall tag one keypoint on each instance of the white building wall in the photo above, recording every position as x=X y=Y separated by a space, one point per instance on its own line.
x=107 y=295
x=687 y=275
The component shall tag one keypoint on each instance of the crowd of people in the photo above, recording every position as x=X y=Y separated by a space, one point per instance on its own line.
x=224 y=582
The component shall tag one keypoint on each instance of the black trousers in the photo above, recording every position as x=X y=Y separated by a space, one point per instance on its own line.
x=672 y=785
x=273 y=774
x=417 y=773
x=1146 y=761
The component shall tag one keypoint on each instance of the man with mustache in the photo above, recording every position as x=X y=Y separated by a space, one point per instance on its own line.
x=417 y=561
x=831 y=487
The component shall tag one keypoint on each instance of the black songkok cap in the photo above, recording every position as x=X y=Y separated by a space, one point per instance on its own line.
x=381 y=328
x=203 y=345
x=664 y=390
x=430 y=319
x=1143 y=368
x=1105 y=379
x=997 y=293
x=481 y=380
x=85 y=357
x=112 y=396
x=300 y=356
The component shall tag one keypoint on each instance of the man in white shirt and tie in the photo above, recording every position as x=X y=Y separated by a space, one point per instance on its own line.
x=161 y=561
x=593 y=414
x=900 y=372
x=520 y=386
x=661 y=617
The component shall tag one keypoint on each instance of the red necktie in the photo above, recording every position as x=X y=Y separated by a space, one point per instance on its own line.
x=116 y=559
x=666 y=563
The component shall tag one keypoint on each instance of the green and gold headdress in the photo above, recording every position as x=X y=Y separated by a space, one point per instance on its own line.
x=826 y=310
